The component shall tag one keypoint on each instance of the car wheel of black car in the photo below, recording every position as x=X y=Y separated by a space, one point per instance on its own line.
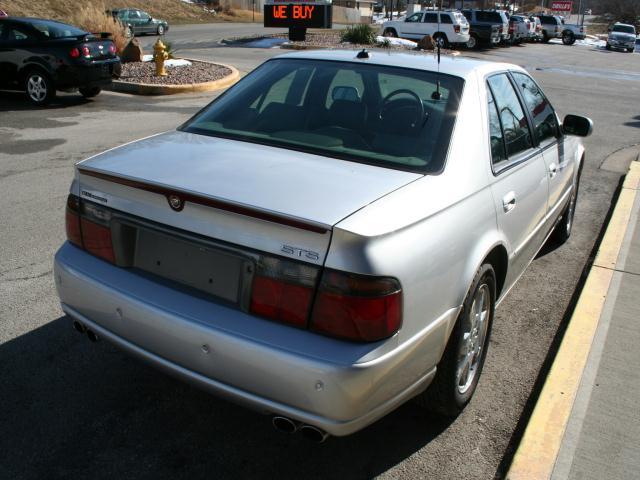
x=630 y=50
x=39 y=87
x=461 y=365
x=160 y=29
x=473 y=42
x=568 y=38
x=89 y=91
x=545 y=38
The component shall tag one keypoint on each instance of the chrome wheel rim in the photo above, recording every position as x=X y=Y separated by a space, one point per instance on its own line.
x=471 y=43
x=160 y=30
x=440 y=41
x=474 y=334
x=37 y=88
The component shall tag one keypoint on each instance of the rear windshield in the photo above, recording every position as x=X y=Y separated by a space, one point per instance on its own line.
x=365 y=113
x=56 y=29
x=624 y=29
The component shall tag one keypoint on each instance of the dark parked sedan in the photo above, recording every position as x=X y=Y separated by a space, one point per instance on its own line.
x=138 y=22
x=42 y=56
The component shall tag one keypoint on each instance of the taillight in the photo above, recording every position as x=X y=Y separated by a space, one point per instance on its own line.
x=456 y=28
x=86 y=53
x=112 y=48
x=72 y=220
x=357 y=307
x=283 y=290
x=74 y=53
x=88 y=227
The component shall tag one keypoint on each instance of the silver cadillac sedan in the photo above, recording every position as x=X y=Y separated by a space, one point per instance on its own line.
x=327 y=239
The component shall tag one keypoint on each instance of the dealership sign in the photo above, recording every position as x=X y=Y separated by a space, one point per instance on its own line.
x=562 y=6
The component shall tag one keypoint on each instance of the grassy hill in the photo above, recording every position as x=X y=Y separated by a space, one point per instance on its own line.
x=174 y=11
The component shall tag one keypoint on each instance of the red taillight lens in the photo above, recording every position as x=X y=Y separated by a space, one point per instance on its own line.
x=357 y=307
x=283 y=290
x=97 y=240
x=72 y=220
x=86 y=52
x=112 y=48
x=88 y=227
x=456 y=28
x=74 y=53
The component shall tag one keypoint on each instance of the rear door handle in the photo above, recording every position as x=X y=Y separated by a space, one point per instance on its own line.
x=553 y=169
x=509 y=201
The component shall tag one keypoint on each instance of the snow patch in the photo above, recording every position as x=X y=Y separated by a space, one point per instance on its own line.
x=396 y=42
x=174 y=62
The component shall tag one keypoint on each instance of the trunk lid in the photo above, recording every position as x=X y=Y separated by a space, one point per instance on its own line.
x=266 y=198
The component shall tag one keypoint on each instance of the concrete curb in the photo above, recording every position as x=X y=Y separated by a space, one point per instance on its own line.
x=151 y=89
x=540 y=445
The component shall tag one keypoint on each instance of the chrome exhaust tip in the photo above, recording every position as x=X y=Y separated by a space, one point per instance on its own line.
x=78 y=327
x=313 y=433
x=284 y=424
x=92 y=336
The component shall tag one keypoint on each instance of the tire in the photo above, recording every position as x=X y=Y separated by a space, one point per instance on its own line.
x=473 y=43
x=160 y=30
x=545 y=38
x=568 y=38
x=630 y=50
x=88 y=92
x=608 y=47
x=441 y=38
x=452 y=388
x=390 y=32
x=39 y=87
x=562 y=231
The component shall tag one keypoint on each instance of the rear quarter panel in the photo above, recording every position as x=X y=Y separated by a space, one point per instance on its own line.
x=431 y=234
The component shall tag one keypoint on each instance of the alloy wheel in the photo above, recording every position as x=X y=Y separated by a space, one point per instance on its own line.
x=37 y=87
x=475 y=329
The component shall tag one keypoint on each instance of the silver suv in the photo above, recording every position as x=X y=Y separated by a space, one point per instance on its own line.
x=622 y=36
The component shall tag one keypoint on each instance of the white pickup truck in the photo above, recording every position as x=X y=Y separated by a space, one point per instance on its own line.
x=572 y=32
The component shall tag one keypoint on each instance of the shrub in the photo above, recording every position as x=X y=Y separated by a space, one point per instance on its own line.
x=93 y=18
x=361 y=34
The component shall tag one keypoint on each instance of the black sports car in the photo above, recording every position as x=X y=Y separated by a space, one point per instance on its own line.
x=41 y=56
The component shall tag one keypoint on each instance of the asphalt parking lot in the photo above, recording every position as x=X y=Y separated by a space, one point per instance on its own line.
x=73 y=409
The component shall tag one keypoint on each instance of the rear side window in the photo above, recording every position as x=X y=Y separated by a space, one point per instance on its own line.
x=545 y=123
x=446 y=19
x=515 y=127
x=430 y=18
x=495 y=132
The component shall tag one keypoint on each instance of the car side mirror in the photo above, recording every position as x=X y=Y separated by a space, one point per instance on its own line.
x=577 y=125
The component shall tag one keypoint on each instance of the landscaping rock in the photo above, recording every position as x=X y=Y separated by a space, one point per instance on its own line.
x=426 y=43
x=132 y=52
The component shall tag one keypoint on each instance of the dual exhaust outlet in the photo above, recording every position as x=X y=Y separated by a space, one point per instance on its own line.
x=287 y=425
x=80 y=328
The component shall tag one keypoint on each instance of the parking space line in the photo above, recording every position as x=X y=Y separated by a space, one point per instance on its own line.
x=538 y=450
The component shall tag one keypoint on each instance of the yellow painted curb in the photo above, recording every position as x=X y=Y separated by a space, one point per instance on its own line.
x=151 y=89
x=536 y=455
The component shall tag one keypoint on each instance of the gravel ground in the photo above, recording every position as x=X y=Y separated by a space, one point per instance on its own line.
x=197 y=72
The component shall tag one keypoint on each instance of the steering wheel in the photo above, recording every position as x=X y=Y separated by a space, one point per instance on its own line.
x=388 y=105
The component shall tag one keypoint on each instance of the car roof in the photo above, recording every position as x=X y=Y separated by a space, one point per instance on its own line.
x=623 y=24
x=449 y=65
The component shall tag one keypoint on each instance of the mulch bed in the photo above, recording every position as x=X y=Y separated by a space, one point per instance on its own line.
x=197 y=72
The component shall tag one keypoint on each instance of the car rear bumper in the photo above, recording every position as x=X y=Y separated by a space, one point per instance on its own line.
x=92 y=75
x=337 y=386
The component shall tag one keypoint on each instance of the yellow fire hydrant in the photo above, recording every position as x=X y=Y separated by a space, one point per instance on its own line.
x=159 y=56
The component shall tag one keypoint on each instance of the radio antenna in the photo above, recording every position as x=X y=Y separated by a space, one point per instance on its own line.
x=436 y=95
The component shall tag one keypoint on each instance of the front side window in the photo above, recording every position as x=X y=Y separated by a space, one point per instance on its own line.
x=414 y=18
x=514 y=122
x=375 y=114
x=545 y=124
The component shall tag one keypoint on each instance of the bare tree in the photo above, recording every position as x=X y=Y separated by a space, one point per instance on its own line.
x=625 y=11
